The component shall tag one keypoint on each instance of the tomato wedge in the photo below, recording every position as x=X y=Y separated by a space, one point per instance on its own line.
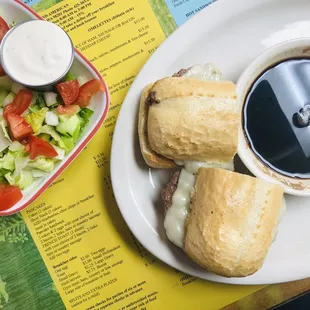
x=4 y=28
x=2 y=72
x=18 y=127
x=68 y=91
x=87 y=90
x=19 y=104
x=39 y=147
x=67 y=110
x=9 y=196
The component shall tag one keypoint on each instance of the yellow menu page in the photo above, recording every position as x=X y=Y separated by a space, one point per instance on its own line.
x=94 y=260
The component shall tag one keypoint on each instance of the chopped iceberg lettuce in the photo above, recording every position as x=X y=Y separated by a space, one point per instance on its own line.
x=69 y=125
x=62 y=131
x=16 y=87
x=36 y=119
x=3 y=94
x=16 y=147
x=4 y=129
x=61 y=152
x=38 y=103
x=85 y=114
x=20 y=164
x=8 y=161
x=6 y=83
x=70 y=76
x=42 y=163
x=8 y=99
x=5 y=141
x=69 y=143
x=49 y=130
x=23 y=180
x=39 y=173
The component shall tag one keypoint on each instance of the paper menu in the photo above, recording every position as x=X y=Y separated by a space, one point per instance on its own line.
x=182 y=10
x=92 y=257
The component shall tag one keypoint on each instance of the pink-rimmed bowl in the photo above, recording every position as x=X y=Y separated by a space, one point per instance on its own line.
x=17 y=11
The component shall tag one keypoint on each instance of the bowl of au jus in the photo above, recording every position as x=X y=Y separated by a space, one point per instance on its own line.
x=274 y=96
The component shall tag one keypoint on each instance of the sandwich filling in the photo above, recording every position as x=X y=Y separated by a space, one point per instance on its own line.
x=178 y=200
x=207 y=72
x=178 y=211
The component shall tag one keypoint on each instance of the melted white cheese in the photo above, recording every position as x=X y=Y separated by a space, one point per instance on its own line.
x=205 y=72
x=177 y=214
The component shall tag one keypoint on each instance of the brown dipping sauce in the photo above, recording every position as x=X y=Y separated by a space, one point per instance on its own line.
x=276 y=118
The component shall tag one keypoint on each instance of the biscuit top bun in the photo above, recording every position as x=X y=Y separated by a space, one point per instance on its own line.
x=232 y=222
x=194 y=120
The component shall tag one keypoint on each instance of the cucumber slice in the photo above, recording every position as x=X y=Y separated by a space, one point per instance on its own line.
x=50 y=98
x=8 y=99
x=51 y=119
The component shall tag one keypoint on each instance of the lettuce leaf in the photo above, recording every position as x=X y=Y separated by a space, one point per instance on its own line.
x=69 y=143
x=16 y=147
x=8 y=161
x=38 y=104
x=23 y=180
x=36 y=119
x=85 y=115
x=20 y=164
x=49 y=130
x=5 y=142
x=4 y=129
x=69 y=125
x=42 y=163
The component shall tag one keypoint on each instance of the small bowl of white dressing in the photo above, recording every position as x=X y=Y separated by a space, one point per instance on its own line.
x=37 y=54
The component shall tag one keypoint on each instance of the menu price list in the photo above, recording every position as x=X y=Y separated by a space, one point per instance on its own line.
x=93 y=259
x=84 y=275
x=116 y=36
x=84 y=272
x=141 y=302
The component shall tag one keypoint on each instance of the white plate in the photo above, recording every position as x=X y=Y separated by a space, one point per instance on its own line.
x=229 y=33
x=16 y=11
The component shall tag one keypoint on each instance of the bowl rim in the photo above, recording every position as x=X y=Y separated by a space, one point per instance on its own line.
x=266 y=59
x=83 y=144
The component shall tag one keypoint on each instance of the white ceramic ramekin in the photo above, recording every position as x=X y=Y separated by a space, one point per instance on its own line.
x=297 y=48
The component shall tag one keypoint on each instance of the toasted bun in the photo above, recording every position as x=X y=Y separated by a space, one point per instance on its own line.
x=232 y=222
x=151 y=158
x=195 y=120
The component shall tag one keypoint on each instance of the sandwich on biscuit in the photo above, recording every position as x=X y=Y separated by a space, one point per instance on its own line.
x=189 y=120
x=223 y=220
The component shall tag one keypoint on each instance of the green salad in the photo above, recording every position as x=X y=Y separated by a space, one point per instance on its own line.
x=34 y=141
